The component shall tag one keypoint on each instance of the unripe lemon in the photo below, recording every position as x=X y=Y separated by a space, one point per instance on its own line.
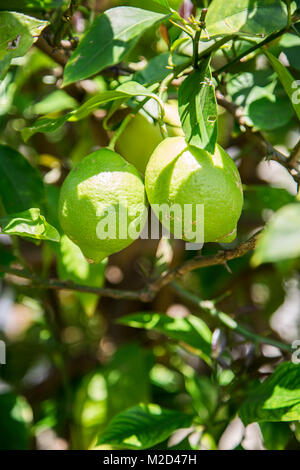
x=138 y=140
x=181 y=174
x=102 y=206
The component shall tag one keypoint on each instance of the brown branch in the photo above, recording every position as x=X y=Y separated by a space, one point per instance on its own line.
x=145 y=295
x=202 y=262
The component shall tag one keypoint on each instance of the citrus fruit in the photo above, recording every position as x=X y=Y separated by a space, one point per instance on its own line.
x=102 y=205
x=137 y=142
x=181 y=174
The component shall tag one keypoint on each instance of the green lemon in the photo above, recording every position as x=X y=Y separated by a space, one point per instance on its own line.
x=137 y=142
x=102 y=205
x=181 y=174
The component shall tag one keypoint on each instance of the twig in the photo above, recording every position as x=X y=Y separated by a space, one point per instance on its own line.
x=203 y=261
x=210 y=308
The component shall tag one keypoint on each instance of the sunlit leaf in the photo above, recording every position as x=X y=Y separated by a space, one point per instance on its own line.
x=247 y=17
x=112 y=35
x=190 y=329
x=143 y=426
x=276 y=399
x=287 y=80
x=72 y=266
x=126 y=90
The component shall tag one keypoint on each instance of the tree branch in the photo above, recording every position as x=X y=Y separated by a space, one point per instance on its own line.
x=145 y=295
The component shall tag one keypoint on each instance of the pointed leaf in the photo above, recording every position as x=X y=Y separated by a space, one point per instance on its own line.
x=29 y=224
x=17 y=35
x=198 y=108
x=124 y=91
x=288 y=82
x=112 y=35
x=190 y=329
x=143 y=426
x=276 y=399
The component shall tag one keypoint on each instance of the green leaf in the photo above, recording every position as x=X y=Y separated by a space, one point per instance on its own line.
x=190 y=329
x=198 y=108
x=275 y=399
x=16 y=417
x=275 y=435
x=29 y=224
x=72 y=266
x=112 y=35
x=143 y=426
x=6 y=258
x=280 y=239
x=126 y=90
x=21 y=186
x=261 y=197
x=266 y=106
x=245 y=17
x=17 y=35
x=287 y=80
x=55 y=102
x=29 y=5
x=156 y=69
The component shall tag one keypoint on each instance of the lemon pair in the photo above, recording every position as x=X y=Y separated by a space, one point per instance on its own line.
x=103 y=202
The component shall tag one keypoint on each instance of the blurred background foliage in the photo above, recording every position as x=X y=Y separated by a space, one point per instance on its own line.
x=70 y=365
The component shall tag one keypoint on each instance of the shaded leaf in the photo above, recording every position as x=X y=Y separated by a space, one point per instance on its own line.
x=16 y=416
x=190 y=329
x=245 y=17
x=261 y=95
x=143 y=426
x=21 y=186
x=27 y=5
x=261 y=197
x=276 y=399
x=124 y=91
x=281 y=238
x=17 y=35
x=198 y=108
x=275 y=435
x=287 y=80
x=29 y=224
x=112 y=35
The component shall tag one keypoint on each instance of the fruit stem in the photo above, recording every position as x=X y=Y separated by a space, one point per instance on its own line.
x=201 y=25
x=119 y=131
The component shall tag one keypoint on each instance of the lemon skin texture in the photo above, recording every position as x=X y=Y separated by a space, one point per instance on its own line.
x=181 y=174
x=100 y=183
x=137 y=142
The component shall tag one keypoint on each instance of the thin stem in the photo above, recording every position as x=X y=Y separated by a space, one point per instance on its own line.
x=251 y=49
x=226 y=320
